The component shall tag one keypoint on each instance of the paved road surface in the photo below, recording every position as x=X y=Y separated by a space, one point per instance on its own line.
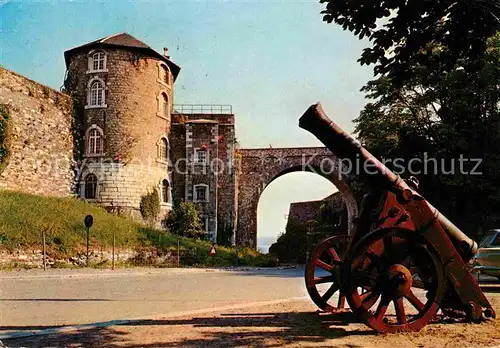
x=34 y=300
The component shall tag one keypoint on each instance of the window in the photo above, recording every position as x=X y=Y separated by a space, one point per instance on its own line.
x=164 y=105
x=200 y=193
x=164 y=190
x=96 y=94
x=91 y=186
x=94 y=142
x=163 y=149
x=496 y=241
x=97 y=61
x=201 y=156
x=165 y=74
x=486 y=239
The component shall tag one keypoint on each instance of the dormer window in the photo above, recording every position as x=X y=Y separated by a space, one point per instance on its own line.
x=97 y=61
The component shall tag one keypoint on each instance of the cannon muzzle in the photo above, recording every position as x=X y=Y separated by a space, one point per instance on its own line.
x=345 y=147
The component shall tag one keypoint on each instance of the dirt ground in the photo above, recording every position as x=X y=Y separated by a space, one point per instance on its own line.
x=292 y=324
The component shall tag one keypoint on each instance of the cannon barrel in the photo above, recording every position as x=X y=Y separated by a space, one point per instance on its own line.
x=344 y=146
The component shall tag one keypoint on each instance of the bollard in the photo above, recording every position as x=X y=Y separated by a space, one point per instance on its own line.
x=44 y=252
x=114 y=242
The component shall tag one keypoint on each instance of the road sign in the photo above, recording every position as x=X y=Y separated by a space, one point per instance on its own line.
x=89 y=220
x=212 y=251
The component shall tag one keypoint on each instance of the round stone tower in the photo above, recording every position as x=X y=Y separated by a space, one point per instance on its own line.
x=123 y=96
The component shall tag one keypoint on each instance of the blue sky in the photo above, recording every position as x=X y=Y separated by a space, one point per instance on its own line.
x=269 y=59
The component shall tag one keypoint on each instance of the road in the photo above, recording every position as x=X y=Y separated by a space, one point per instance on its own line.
x=33 y=300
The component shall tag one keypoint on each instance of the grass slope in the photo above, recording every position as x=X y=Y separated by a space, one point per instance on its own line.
x=23 y=217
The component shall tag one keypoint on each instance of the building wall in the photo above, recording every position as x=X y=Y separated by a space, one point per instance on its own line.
x=131 y=122
x=215 y=133
x=334 y=205
x=42 y=144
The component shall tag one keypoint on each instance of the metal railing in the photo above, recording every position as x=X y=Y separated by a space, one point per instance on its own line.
x=215 y=109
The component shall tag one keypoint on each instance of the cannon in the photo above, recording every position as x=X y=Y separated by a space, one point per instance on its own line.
x=403 y=262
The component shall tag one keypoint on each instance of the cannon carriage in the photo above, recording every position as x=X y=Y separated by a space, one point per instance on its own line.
x=403 y=262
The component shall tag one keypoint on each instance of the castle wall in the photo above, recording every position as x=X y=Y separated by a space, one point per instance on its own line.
x=42 y=143
x=121 y=187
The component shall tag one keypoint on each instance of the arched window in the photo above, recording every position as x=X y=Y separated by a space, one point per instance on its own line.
x=164 y=105
x=164 y=190
x=163 y=149
x=91 y=186
x=94 y=142
x=165 y=74
x=98 y=61
x=96 y=94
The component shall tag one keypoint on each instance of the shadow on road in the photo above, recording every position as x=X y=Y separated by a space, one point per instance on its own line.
x=226 y=330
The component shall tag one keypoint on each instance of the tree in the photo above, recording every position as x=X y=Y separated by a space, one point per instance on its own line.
x=443 y=112
x=184 y=220
x=403 y=31
x=224 y=232
x=291 y=246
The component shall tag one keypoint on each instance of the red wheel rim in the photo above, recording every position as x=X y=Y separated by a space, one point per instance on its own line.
x=400 y=267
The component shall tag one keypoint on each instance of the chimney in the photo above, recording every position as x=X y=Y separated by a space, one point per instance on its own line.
x=165 y=52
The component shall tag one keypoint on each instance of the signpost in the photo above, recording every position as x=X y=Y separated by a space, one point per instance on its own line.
x=212 y=253
x=89 y=220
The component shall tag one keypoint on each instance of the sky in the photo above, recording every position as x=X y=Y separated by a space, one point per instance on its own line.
x=270 y=60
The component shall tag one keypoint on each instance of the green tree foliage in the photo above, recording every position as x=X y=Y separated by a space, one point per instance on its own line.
x=401 y=30
x=291 y=246
x=185 y=221
x=150 y=206
x=224 y=232
x=443 y=112
x=5 y=136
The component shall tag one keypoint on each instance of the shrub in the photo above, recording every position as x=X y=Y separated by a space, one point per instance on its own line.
x=150 y=206
x=184 y=221
x=5 y=136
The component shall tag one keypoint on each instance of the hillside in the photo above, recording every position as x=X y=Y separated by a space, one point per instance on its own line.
x=23 y=217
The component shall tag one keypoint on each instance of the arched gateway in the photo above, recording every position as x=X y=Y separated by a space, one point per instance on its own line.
x=259 y=167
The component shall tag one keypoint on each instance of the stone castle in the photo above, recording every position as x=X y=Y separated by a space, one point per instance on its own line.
x=113 y=135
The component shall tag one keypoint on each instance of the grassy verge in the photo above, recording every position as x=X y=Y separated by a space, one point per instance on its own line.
x=24 y=217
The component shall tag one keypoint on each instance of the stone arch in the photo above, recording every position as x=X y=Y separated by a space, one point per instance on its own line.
x=260 y=167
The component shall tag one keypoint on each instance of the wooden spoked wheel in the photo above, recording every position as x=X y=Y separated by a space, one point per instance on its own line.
x=322 y=273
x=404 y=273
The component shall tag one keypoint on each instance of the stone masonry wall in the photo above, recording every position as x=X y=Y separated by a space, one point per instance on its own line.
x=120 y=187
x=132 y=125
x=216 y=134
x=42 y=142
